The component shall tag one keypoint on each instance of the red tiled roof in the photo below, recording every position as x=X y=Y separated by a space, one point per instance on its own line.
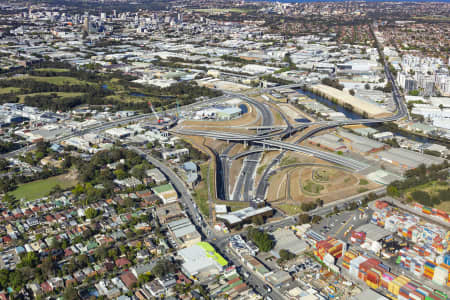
x=128 y=279
x=121 y=262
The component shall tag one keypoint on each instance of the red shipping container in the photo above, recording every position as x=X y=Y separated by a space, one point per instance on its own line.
x=418 y=295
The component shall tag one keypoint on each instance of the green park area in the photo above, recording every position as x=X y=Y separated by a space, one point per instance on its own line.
x=201 y=191
x=59 y=87
x=312 y=187
x=54 y=70
x=41 y=188
x=8 y=90
x=58 y=80
x=58 y=95
x=290 y=209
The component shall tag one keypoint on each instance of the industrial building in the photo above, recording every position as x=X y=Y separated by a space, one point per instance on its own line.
x=407 y=159
x=201 y=260
x=358 y=105
x=184 y=233
x=156 y=175
x=166 y=193
x=219 y=113
x=228 y=113
x=286 y=239
x=369 y=294
x=374 y=236
x=328 y=141
x=242 y=216
x=361 y=144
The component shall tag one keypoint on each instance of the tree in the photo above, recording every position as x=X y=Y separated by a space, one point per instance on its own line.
x=120 y=174
x=78 y=190
x=70 y=293
x=257 y=220
x=163 y=267
x=307 y=206
x=4 y=278
x=319 y=202
x=91 y=213
x=101 y=252
x=392 y=191
x=47 y=266
x=303 y=219
x=16 y=280
x=11 y=200
x=316 y=219
x=261 y=239
x=286 y=255
x=422 y=197
x=352 y=92
x=414 y=93
x=30 y=259
x=367 y=86
x=336 y=209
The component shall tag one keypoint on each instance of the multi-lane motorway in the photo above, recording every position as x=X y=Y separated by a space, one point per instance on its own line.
x=244 y=182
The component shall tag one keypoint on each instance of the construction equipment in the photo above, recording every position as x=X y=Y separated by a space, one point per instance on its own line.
x=158 y=119
x=178 y=110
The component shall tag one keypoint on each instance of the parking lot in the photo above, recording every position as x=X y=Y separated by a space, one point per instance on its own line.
x=8 y=260
x=341 y=224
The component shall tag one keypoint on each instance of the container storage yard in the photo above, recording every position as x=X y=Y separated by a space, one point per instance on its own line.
x=378 y=277
x=411 y=260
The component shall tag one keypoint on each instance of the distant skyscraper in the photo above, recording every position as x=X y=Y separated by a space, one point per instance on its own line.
x=114 y=13
x=86 y=24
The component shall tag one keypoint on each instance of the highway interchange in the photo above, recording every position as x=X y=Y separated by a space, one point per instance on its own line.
x=245 y=181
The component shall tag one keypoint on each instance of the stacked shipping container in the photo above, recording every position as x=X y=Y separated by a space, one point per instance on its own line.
x=432 y=238
x=378 y=276
x=331 y=246
x=432 y=211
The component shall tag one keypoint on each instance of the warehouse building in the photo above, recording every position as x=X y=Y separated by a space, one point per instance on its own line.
x=361 y=144
x=369 y=294
x=184 y=233
x=328 y=141
x=201 y=260
x=374 y=236
x=286 y=239
x=243 y=216
x=372 y=110
x=166 y=193
x=228 y=113
x=407 y=159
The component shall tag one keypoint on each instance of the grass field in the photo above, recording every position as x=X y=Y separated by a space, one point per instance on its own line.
x=363 y=182
x=127 y=98
x=313 y=188
x=58 y=80
x=287 y=160
x=321 y=175
x=431 y=187
x=41 y=188
x=56 y=70
x=201 y=191
x=233 y=205
x=8 y=90
x=290 y=209
x=60 y=95
x=445 y=206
